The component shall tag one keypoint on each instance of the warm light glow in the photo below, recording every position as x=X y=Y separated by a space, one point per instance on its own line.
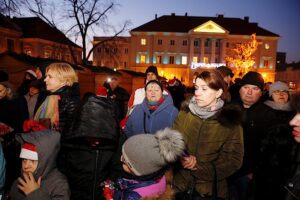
x=207 y=65
x=162 y=73
x=264 y=75
x=209 y=27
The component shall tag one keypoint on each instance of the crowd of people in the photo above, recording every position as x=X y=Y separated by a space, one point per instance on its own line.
x=235 y=141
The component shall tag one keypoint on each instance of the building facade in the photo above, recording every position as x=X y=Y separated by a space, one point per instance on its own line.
x=34 y=37
x=182 y=45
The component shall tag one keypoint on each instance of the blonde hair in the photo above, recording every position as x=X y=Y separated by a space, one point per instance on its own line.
x=9 y=89
x=64 y=72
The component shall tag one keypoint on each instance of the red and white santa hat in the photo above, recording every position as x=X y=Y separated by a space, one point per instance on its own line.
x=172 y=82
x=101 y=91
x=29 y=151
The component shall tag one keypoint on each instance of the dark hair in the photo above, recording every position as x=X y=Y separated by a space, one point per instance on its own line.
x=155 y=82
x=295 y=102
x=214 y=80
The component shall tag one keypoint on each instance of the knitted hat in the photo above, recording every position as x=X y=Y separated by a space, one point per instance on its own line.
x=253 y=78
x=101 y=91
x=145 y=154
x=152 y=69
x=29 y=151
x=32 y=73
x=278 y=85
x=225 y=71
x=155 y=82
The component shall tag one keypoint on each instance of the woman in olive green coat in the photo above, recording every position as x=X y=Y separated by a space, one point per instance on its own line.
x=212 y=134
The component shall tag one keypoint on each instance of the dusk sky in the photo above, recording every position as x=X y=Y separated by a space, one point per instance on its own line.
x=278 y=16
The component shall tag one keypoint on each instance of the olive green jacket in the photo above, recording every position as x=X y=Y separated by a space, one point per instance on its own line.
x=218 y=139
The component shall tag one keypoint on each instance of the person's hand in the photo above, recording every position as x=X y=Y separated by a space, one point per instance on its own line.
x=189 y=162
x=28 y=183
x=250 y=176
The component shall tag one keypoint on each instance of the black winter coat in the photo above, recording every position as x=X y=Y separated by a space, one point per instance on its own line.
x=85 y=162
x=68 y=104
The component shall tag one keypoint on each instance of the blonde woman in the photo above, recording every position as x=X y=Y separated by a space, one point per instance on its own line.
x=63 y=99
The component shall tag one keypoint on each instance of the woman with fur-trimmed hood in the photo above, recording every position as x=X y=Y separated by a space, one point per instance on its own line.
x=213 y=136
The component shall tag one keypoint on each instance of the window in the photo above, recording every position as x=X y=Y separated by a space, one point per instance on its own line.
x=158 y=59
x=125 y=64
x=196 y=43
x=184 y=60
x=67 y=58
x=159 y=42
x=172 y=42
x=10 y=45
x=99 y=50
x=143 y=41
x=195 y=59
x=227 y=44
x=28 y=52
x=217 y=43
x=207 y=42
x=115 y=50
x=267 y=46
x=47 y=54
x=184 y=42
x=266 y=63
x=143 y=59
x=126 y=50
x=107 y=50
x=171 y=60
x=205 y=60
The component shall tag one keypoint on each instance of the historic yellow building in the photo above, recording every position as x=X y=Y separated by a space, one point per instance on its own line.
x=181 y=45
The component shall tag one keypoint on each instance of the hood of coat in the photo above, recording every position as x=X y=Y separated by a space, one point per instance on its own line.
x=95 y=118
x=48 y=145
x=229 y=116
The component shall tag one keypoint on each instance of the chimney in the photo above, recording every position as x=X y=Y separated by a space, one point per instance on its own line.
x=155 y=16
x=246 y=19
x=172 y=14
x=220 y=16
x=186 y=14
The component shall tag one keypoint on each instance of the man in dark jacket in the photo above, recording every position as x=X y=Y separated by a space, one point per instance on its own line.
x=91 y=150
x=40 y=178
x=256 y=116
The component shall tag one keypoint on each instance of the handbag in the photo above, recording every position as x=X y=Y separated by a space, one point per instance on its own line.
x=192 y=194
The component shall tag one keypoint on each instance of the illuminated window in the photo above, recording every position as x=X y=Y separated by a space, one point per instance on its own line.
x=267 y=46
x=172 y=42
x=266 y=63
x=158 y=59
x=143 y=41
x=171 y=60
x=143 y=59
x=159 y=42
x=184 y=60
x=28 y=52
x=205 y=60
x=195 y=59
x=184 y=42
x=47 y=54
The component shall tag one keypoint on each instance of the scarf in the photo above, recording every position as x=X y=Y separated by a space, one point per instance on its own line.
x=152 y=106
x=278 y=106
x=205 y=113
x=49 y=109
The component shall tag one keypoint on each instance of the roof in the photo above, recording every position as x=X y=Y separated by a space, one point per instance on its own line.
x=6 y=22
x=133 y=73
x=183 y=24
x=34 y=61
x=34 y=27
